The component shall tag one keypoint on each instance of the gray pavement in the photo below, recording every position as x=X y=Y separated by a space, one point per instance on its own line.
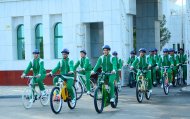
x=174 y=106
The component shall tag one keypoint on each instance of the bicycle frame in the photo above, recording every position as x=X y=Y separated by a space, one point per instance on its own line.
x=105 y=88
x=144 y=82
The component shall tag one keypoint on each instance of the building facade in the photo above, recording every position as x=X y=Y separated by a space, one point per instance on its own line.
x=51 y=25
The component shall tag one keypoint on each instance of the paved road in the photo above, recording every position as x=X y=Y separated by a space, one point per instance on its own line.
x=174 y=106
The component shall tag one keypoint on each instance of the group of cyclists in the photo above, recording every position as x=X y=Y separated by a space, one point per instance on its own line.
x=110 y=63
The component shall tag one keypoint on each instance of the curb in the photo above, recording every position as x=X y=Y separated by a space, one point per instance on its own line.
x=10 y=96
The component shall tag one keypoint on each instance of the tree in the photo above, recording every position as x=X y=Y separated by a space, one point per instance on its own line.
x=165 y=34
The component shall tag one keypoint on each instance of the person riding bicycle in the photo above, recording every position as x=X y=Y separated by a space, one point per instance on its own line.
x=66 y=67
x=86 y=68
x=183 y=60
x=119 y=66
x=37 y=66
x=174 y=59
x=165 y=61
x=152 y=63
x=131 y=59
x=109 y=65
x=157 y=58
x=142 y=63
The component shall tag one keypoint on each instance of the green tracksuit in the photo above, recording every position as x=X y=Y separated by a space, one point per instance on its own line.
x=152 y=62
x=157 y=58
x=119 y=67
x=37 y=66
x=65 y=66
x=131 y=60
x=174 y=59
x=183 y=59
x=86 y=65
x=141 y=62
x=165 y=61
x=108 y=64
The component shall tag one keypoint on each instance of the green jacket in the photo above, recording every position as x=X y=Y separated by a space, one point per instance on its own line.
x=182 y=58
x=164 y=61
x=119 y=63
x=151 y=60
x=157 y=58
x=174 y=59
x=37 y=66
x=108 y=63
x=131 y=60
x=65 y=66
x=84 y=63
x=140 y=62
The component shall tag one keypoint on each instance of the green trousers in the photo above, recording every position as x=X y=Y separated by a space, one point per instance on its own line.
x=118 y=76
x=169 y=73
x=39 y=81
x=87 y=82
x=70 y=83
x=185 y=72
x=111 y=81
x=148 y=77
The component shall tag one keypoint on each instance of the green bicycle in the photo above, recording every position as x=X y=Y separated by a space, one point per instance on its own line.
x=102 y=94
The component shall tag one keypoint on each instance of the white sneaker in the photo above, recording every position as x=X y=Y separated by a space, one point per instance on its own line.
x=170 y=84
x=150 y=91
x=44 y=94
x=112 y=100
x=73 y=101
x=154 y=83
x=175 y=77
x=31 y=101
x=162 y=86
x=88 y=92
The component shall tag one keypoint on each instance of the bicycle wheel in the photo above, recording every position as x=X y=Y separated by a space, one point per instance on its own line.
x=139 y=93
x=55 y=100
x=45 y=99
x=98 y=100
x=166 y=85
x=114 y=104
x=93 y=87
x=27 y=98
x=79 y=89
x=69 y=102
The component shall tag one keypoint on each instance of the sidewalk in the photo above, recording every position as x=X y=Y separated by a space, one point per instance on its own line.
x=186 y=89
x=13 y=91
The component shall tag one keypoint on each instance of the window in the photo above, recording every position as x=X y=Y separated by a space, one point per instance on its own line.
x=20 y=42
x=39 y=39
x=174 y=47
x=58 y=40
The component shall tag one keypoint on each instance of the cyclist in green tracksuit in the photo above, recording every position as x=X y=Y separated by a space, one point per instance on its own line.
x=131 y=59
x=66 y=67
x=165 y=61
x=174 y=59
x=119 y=66
x=152 y=63
x=108 y=64
x=85 y=68
x=141 y=62
x=157 y=58
x=183 y=60
x=37 y=66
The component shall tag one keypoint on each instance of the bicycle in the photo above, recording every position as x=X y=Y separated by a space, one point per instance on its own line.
x=30 y=94
x=142 y=86
x=180 y=80
x=60 y=93
x=165 y=80
x=102 y=94
x=80 y=85
x=132 y=78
